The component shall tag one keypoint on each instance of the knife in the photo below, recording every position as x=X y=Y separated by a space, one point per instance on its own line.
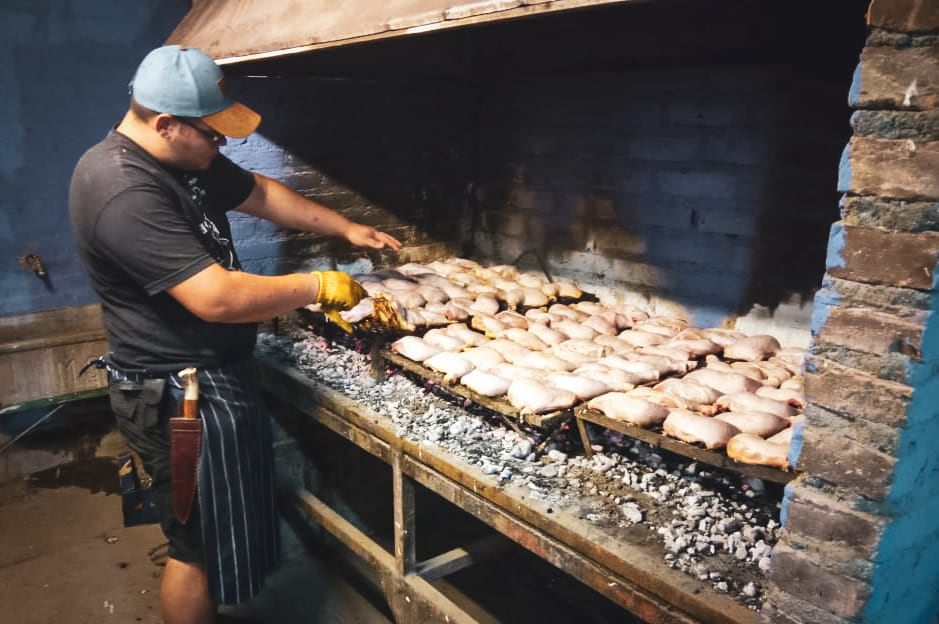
x=186 y=446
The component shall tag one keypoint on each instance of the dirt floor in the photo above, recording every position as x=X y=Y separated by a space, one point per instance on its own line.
x=66 y=557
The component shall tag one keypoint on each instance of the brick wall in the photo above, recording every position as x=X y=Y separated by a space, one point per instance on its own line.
x=687 y=152
x=63 y=86
x=383 y=152
x=860 y=528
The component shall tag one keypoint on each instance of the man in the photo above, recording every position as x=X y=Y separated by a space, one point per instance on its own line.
x=148 y=207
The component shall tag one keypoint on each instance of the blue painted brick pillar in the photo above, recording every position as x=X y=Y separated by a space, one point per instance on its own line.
x=861 y=526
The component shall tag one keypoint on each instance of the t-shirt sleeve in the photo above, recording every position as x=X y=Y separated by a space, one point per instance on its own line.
x=228 y=184
x=147 y=235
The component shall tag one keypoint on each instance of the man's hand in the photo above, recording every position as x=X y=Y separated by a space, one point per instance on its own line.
x=337 y=290
x=362 y=235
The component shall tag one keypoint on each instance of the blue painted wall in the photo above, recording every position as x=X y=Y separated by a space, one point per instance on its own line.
x=66 y=65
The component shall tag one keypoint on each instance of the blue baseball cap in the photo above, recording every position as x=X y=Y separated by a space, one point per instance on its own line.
x=186 y=82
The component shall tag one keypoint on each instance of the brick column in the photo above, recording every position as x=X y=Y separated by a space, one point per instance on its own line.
x=861 y=538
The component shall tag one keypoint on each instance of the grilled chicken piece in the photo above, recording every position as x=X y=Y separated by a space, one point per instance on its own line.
x=547 y=335
x=752 y=348
x=665 y=365
x=774 y=373
x=414 y=348
x=533 y=397
x=485 y=304
x=450 y=311
x=642 y=370
x=534 y=298
x=584 y=387
x=540 y=316
x=629 y=409
x=431 y=293
x=690 y=427
x=698 y=396
x=613 y=344
x=793 y=383
x=721 y=336
x=510 y=318
x=600 y=325
x=659 y=398
x=614 y=378
x=639 y=338
x=631 y=312
x=695 y=347
x=794 y=398
x=469 y=337
x=485 y=383
x=567 y=312
x=590 y=350
x=546 y=361
x=513 y=372
x=488 y=325
x=726 y=383
x=783 y=437
x=568 y=289
x=751 y=449
x=483 y=357
x=574 y=329
x=750 y=402
x=663 y=325
x=512 y=297
x=452 y=365
x=762 y=424
x=440 y=339
x=525 y=338
x=511 y=351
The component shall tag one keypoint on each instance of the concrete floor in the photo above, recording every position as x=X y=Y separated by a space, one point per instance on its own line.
x=65 y=556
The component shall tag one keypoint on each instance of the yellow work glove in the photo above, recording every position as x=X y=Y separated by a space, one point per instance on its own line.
x=338 y=291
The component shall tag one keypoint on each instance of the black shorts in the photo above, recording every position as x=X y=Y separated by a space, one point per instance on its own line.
x=143 y=410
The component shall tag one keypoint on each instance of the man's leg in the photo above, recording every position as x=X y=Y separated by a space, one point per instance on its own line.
x=184 y=594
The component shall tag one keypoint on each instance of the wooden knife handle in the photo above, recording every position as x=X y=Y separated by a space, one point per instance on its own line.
x=190 y=380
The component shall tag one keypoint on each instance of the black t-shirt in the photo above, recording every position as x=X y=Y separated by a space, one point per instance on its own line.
x=141 y=228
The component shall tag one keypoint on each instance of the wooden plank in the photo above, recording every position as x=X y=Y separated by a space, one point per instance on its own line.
x=404 y=529
x=461 y=558
x=412 y=599
x=713 y=458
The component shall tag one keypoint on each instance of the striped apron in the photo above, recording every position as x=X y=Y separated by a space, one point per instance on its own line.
x=236 y=482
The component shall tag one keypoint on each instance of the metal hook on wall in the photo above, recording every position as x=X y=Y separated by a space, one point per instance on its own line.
x=32 y=262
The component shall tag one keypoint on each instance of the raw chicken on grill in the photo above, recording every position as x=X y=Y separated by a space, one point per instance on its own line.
x=443 y=341
x=513 y=372
x=792 y=397
x=511 y=351
x=530 y=396
x=488 y=325
x=485 y=383
x=414 y=348
x=483 y=357
x=574 y=329
x=469 y=337
x=690 y=427
x=762 y=424
x=547 y=335
x=584 y=387
x=751 y=449
x=452 y=365
x=727 y=383
x=524 y=337
x=510 y=318
x=613 y=378
x=546 y=361
x=698 y=396
x=623 y=407
x=639 y=338
x=567 y=312
x=600 y=325
x=644 y=371
x=752 y=348
x=613 y=344
x=750 y=402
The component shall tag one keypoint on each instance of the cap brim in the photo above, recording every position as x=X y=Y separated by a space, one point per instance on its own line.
x=236 y=121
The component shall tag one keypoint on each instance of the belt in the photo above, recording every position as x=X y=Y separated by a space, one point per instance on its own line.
x=118 y=373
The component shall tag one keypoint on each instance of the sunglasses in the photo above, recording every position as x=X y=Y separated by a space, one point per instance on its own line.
x=210 y=135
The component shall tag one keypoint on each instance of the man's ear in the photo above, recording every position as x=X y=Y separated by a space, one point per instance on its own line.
x=162 y=122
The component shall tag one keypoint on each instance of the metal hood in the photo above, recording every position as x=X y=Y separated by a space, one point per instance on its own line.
x=234 y=31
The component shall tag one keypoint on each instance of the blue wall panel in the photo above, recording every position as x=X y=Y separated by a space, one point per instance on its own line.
x=66 y=68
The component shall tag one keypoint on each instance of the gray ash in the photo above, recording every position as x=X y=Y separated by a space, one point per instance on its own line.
x=717 y=526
